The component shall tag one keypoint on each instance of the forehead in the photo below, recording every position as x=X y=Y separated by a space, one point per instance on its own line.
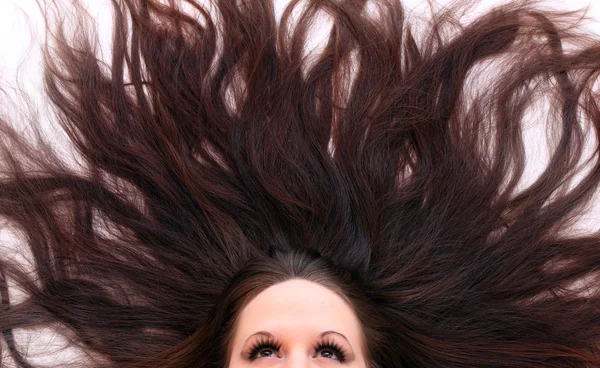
x=298 y=307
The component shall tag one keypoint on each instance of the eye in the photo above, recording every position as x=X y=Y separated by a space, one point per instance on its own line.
x=270 y=348
x=330 y=349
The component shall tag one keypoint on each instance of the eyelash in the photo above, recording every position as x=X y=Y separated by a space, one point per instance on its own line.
x=271 y=344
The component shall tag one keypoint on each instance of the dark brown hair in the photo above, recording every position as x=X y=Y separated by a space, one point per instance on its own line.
x=211 y=345
x=395 y=154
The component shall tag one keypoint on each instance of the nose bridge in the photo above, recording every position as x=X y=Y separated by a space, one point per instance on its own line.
x=298 y=358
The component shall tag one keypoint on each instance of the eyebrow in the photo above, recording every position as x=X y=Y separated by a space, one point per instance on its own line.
x=322 y=334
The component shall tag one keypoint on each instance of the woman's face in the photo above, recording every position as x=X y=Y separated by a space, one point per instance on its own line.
x=297 y=323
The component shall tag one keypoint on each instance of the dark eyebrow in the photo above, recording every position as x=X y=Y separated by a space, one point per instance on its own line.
x=260 y=333
x=333 y=332
x=320 y=335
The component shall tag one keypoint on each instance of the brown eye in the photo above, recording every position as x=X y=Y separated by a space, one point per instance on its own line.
x=265 y=353
x=331 y=350
x=264 y=349
x=328 y=354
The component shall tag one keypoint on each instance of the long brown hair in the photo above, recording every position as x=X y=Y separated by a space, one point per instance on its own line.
x=210 y=346
x=396 y=153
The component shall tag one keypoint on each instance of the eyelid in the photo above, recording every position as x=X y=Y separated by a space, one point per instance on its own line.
x=260 y=344
x=329 y=342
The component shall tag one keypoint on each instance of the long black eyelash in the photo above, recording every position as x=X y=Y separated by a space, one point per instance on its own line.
x=263 y=343
x=332 y=345
x=269 y=343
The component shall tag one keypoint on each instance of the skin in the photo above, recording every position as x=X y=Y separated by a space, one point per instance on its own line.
x=295 y=312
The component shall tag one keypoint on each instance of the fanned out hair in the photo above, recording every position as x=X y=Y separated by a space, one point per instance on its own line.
x=215 y=146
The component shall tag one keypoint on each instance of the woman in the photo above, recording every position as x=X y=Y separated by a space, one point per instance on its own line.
x=240 y=201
